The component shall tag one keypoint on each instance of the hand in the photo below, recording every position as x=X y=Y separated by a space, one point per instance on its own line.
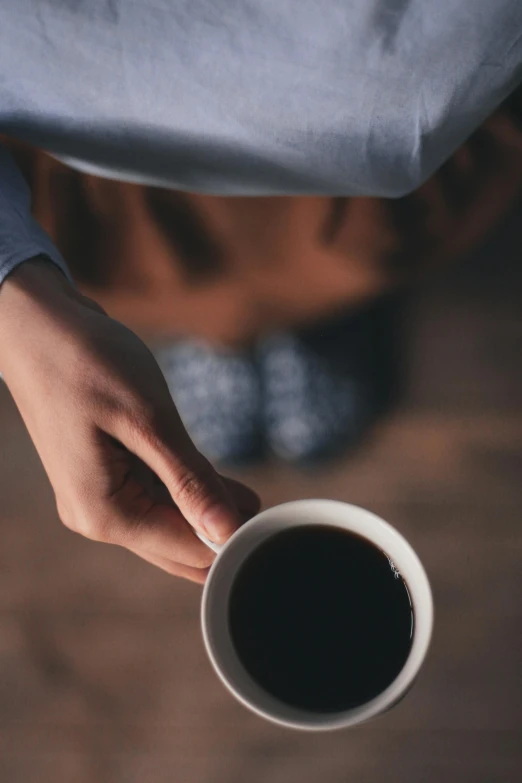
x=100 y=414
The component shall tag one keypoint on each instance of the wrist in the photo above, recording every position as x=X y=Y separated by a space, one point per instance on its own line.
x=29 y=288
x=31 y=275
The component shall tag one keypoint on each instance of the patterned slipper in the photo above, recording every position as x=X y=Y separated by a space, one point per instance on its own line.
x=324 y=387
x=217 y=394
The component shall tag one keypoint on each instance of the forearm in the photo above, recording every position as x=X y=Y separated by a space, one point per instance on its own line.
x=22 y=293
x=30 y=265
x=36 y=297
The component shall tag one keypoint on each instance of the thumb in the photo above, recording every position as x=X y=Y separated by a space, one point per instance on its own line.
x=199 y=492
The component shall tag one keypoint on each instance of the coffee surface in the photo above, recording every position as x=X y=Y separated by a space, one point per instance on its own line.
x=320 y=618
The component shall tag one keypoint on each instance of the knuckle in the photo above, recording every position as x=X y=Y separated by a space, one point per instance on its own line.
x=144 y=416
x=65 y=516
x=203 y=559
x=191 y=486
x=143 y=423
x=87 y=521
x=97 y=528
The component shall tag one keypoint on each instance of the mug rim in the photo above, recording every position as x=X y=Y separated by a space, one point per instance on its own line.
x=374 y=529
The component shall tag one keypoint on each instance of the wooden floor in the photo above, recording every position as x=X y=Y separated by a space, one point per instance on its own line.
x=103 y=678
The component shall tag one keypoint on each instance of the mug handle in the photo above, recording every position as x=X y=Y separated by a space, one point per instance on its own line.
x=216 y=547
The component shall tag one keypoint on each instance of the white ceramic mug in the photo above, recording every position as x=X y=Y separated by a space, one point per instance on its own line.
x=214 y=608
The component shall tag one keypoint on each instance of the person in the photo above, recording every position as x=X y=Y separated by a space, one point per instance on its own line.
x=341 y=100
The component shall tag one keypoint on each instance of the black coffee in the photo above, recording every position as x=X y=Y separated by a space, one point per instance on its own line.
x=320 y=618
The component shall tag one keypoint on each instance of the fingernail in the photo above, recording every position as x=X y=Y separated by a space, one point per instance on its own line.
x=219 y=523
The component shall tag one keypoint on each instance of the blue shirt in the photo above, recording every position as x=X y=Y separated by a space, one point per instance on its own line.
x=337 y=97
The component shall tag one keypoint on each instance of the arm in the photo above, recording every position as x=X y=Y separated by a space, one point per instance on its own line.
x=98 y=409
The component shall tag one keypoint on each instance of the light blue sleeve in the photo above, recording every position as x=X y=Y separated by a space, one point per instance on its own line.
x=243 y=97
x=21 y=237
